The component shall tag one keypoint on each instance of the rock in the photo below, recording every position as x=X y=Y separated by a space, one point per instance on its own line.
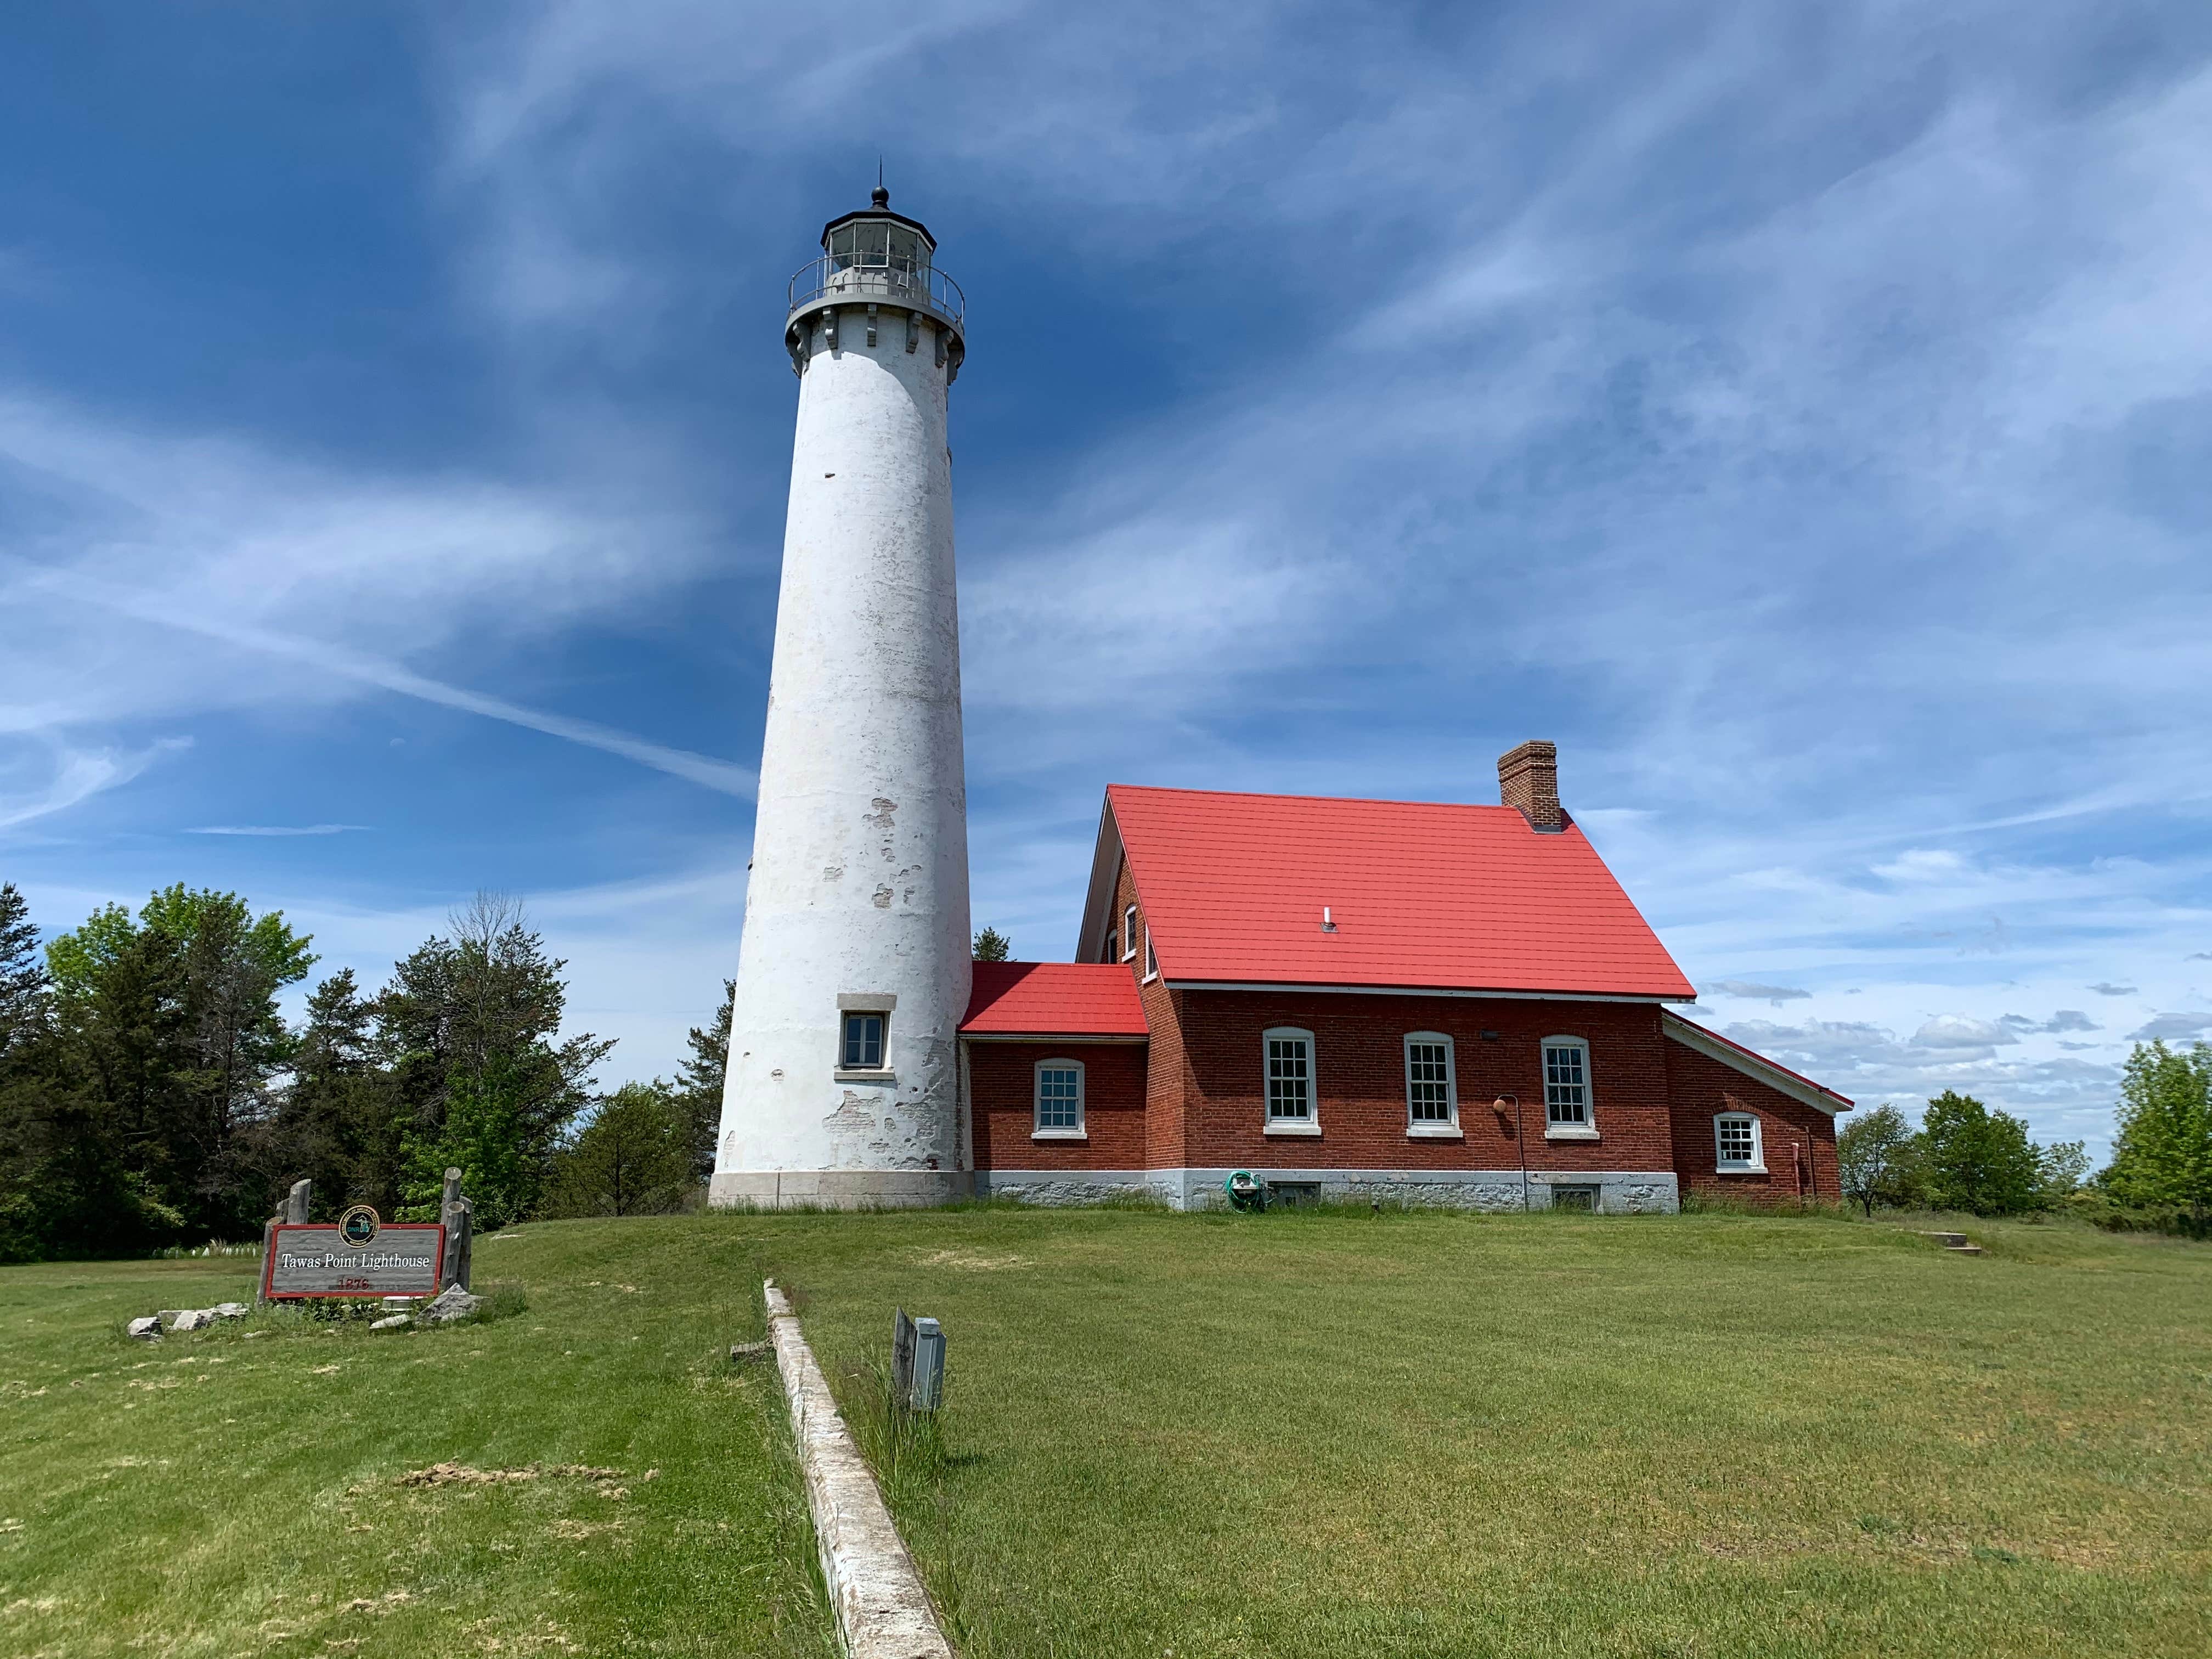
x=453 y=1303
x=229 y=1310
x=192 y=1319
x=741 y=1352
x=170 y=1315
x=147 y=1329
x=397 y=1322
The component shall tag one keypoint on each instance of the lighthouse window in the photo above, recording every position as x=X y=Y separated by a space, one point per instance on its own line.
x=863 y=1043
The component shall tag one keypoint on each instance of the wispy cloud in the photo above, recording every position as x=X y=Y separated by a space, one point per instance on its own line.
x=1776 y=995
x=276 y=829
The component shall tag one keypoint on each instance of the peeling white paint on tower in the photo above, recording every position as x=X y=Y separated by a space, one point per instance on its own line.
x=858 y=904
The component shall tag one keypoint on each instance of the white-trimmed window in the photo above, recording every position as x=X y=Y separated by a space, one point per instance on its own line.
x=863 y=1047
x=1567 y=1113
x=1737 y=1143
x=1128 y=932
x=1151 y=962
x=1288 y=1053
x=1431 y=1087
x=1113 y=946
x=1059 y=1093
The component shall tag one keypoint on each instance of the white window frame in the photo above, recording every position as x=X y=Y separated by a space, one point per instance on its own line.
x=1555 y=1129
x=1151 y=960
x=1038 y=1131
x=1727 y=1165
x=1128 y=932
x=1311 y=1123
x=845 y=1017
x=1444 y=1128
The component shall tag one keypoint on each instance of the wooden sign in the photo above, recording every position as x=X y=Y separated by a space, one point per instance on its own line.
x=356 y=1256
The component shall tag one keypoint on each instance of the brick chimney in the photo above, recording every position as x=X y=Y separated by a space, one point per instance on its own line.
x=1529 y=778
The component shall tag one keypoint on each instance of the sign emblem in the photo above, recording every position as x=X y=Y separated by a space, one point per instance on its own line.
x=358 y=1226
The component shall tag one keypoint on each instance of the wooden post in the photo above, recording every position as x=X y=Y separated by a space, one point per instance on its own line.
x=466 y=1217
x=456 y=1214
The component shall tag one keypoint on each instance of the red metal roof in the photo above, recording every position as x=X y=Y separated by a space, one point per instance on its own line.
x=1423 y=894
x=1054 y=999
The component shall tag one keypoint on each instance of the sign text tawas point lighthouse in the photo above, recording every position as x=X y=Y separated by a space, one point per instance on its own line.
x=853 y=973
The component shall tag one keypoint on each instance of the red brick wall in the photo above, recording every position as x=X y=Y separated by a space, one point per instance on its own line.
x=1002 y=1106
x=1359 y=1066
x=1167 y=1081
x=1701 y=1086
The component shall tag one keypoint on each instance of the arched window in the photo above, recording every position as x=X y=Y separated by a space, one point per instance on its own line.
x=1431 y=1085
x=1293 y=1098
x=1569 y=1114
x=1058 y=1096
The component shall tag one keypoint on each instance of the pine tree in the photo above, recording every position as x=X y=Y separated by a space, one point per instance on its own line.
x=632 y=1159
x=699 y=1081
x=23 y=980
x=469 y=1027
x=992 y=945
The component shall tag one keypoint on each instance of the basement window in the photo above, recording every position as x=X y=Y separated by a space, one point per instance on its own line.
x=1737 y=1144
x=864 y=1044
x=1059 y=1100
x=1567 y=1090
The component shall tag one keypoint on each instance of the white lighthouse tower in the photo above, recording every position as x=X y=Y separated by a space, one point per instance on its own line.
x=852 y=976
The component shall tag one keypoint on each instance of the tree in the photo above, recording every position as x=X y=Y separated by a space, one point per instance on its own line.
x=23 y=980
x=469 y=1027
x=699 y=1086
x=634 y=1158
x=1978 y=1160
x=336 y=1122
x=992 y=945
x=1873 y=1155
x=2162 y=1154
x=66 y=1182
x=2063 y=1166
x=172 y=1017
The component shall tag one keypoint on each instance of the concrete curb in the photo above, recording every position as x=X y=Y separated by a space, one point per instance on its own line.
x=882 y=1610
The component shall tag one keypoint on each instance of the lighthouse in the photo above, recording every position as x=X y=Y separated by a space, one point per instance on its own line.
x=843 y=1087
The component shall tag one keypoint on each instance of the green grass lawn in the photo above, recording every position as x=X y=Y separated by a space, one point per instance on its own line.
x=1313 y=1434
x=238 y=1492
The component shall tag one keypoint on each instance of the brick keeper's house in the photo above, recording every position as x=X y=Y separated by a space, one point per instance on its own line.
x=1429 y=1003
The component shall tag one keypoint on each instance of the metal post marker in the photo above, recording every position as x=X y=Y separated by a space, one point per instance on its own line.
x=928 y=1387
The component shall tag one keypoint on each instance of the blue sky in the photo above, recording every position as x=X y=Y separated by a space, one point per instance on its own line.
x=1801 y=415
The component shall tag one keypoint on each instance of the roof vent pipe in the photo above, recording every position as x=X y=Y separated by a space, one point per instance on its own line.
x=1529 y=778
x=1327 y=925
